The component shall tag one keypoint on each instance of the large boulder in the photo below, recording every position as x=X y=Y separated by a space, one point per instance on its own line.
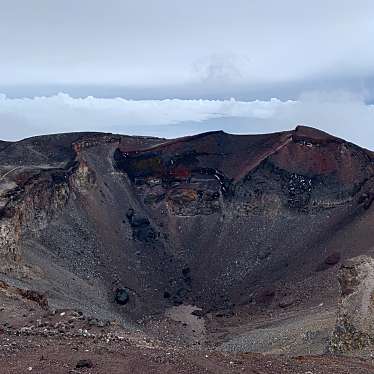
x=354 y=327
x=122 y=296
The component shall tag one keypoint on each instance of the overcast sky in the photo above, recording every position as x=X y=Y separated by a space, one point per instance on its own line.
x=316 y=58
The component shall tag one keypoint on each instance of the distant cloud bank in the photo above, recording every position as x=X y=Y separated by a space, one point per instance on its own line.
x=336 y=112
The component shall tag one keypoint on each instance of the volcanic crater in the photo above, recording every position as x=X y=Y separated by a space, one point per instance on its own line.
x=219 y=242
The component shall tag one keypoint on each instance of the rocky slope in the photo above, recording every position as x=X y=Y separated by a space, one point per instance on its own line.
x=246 y=229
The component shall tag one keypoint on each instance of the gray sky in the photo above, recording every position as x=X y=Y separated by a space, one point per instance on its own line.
x=166 y=49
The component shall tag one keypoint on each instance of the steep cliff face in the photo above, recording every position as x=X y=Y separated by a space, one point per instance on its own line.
x=254 y=210
x=38 y=177
x=31 y=201
x=308 y=168
x=216 y=220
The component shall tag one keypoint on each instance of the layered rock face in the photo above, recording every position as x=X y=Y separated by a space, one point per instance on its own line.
x=30 y=199
x=355 y=321
x=215 y=220
x=36 y=183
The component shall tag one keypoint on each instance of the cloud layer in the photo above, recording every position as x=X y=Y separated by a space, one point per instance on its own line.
x=168 y=42
x=338 y=113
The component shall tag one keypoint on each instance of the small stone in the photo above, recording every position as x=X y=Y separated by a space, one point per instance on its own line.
x=286 y=302
x=264 y=254
x=166 y=295
x=198 y=313
x=84 y=364
x=333 y=259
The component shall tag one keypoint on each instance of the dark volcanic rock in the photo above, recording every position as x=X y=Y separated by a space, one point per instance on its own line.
x=333 y=259
x=167 y=295
x=199 y=313
x=122 y=296
x=265 y=296
x=142 y=229
x=286 y=302
x=139 y=222
x=145 y=234
x=84 y=364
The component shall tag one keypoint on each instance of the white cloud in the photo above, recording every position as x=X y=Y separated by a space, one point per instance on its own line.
x=155 y=43
x=337 y=113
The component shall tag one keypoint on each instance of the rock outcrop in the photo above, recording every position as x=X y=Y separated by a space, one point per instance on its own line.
x=354 y=328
